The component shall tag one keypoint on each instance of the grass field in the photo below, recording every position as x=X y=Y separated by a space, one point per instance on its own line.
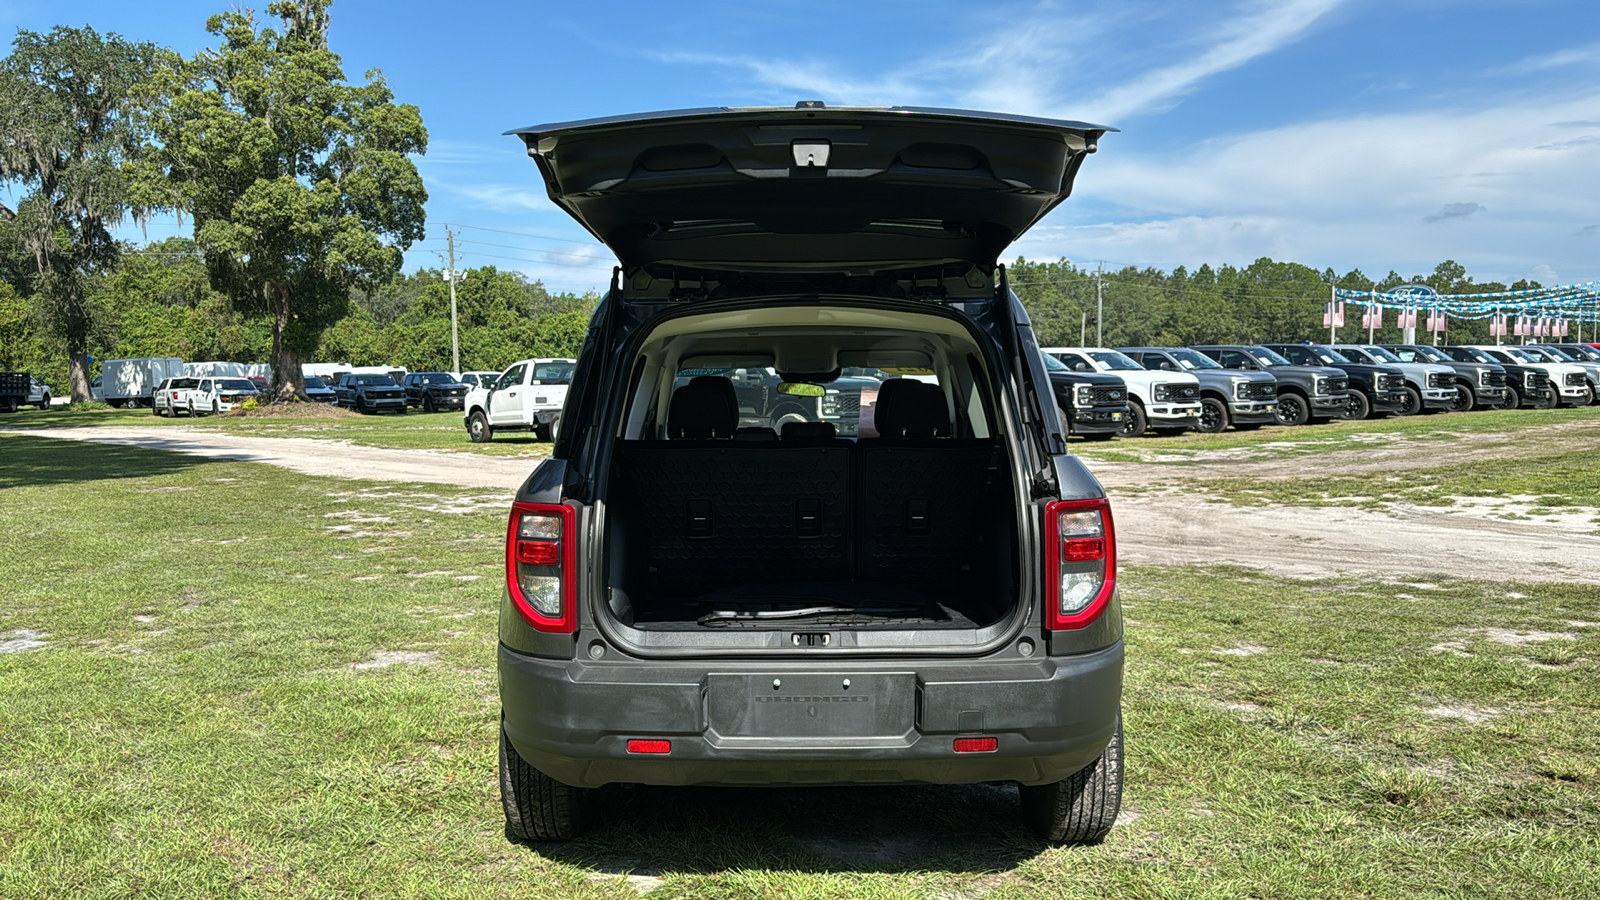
x=226 y=679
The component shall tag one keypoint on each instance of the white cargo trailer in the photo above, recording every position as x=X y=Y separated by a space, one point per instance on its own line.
x=133 y=381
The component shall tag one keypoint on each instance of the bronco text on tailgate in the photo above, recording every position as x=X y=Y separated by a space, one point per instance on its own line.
x=696 y=594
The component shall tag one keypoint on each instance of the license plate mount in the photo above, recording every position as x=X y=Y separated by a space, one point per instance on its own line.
x=812 y=706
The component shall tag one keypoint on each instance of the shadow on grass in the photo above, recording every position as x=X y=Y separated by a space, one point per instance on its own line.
x=27 y=461
x=700 y=830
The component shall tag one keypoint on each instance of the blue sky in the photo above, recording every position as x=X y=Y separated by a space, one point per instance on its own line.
x=1380 y=134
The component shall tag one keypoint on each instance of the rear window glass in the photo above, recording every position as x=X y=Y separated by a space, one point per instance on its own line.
x=379 y=380
x=234 y=384
x=848 y=401
x=553 y=373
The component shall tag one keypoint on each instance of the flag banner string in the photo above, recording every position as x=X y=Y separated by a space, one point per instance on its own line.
x=1577 y=302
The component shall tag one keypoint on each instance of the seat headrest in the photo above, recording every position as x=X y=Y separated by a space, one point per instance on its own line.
x=908 y=408
x=809 y=432
x=705 y=408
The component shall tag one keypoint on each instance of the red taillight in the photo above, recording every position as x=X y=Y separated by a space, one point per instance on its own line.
x=977 y=745
x=635 y=745
x=1081 y=572
x=541 y=560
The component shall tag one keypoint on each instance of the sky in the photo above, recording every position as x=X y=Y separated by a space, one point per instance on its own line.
x=1370 y=134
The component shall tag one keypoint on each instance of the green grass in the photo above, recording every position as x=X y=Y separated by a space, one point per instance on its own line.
x=1339 y=435
x=413 y=431
x=195 y=724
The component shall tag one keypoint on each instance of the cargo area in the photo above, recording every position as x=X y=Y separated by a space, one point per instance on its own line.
x=726 y=513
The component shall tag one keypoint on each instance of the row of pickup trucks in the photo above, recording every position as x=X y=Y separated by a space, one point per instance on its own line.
x=1211 y=387
x=1103 y=392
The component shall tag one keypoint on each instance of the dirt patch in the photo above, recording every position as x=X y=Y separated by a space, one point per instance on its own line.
x=1512 y=638
x=294 y=410
x=1243 y=648
x=21 y=640
x=1472 y=715
x=385 y=658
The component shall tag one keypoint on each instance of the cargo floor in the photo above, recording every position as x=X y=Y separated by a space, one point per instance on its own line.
x=856 y=604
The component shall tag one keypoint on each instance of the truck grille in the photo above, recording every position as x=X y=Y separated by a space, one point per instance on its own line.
x=1495 y=379
x=1537 y=380
x=1439 y=380
x=1261 y=390
x=1109 y=395
x=1575 y=379
x=1338 y=385
x=1391 y=382
x=842 y=405
x=1177 y=392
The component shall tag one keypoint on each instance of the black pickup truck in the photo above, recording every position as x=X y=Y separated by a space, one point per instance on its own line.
x=1375 y=391
x=369 y=393
x=1525 y=385
x=434 y=391
x=1093 y=405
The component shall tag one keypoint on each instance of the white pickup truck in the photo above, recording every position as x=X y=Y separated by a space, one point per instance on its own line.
x=528 y=396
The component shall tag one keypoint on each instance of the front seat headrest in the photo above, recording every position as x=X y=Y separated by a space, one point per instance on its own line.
x=705 y=408
x=908 y=408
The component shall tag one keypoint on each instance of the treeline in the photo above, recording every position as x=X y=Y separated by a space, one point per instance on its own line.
x=158 y=301
x=1264 y=301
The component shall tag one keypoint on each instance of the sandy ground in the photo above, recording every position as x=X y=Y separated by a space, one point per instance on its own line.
x=1174 y=526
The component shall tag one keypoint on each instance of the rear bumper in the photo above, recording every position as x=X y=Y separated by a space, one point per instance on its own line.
x=571 y=719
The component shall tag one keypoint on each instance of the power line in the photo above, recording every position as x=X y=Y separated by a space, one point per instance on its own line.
x=537 y=237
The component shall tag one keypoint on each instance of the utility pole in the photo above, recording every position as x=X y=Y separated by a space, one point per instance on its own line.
x=455 y=336
x=1099 y=308
x=1083 y=327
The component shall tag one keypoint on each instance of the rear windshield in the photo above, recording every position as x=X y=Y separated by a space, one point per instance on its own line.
x=370 y=380
x=848 y=401
x=553 y=373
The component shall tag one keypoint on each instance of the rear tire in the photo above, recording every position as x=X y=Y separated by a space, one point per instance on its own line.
x=1357 y=406
x=1080 y=809
x=427 y=404
x=1136 y=422
x=45 y=403
x=1213 y=416
x=1466 y=399
x=478 y=428
x=8 y=405
x=539 y=808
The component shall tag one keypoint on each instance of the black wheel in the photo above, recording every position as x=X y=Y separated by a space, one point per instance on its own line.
x=45 y=402
x=1412 y=404
x=402 y=410
x=1213 y=415
x=158 y=411
x=1292 y=410
x=361 y=405
x=191 y=409
x=539 y=808
x=1466 y=399
x=1513 y=400
x=541 y=432
x=216 y=408
x=1134 y=425
x=478 y=428
x=1357 y=406
x=8 y=405
x=1080 y=809
x=427 y=403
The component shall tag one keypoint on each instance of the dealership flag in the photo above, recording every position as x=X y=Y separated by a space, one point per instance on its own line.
x=1497 y=325
x=1333 y=315
x=1373 y=317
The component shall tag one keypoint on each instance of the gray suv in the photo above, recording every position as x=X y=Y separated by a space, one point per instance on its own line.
x=692 y=600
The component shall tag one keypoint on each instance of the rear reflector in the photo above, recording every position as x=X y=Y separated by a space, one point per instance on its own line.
x=977 y=745
x=539 y=553
x=636 y=745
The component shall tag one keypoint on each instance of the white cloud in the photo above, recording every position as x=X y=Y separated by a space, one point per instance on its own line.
x=1572 y=56
x=1349 y=192
x=1261 y=30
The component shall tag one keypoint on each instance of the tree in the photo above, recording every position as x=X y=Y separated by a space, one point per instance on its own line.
x=300 y=184
x=69 y=131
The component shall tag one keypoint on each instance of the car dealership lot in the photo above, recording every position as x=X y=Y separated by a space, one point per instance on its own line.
x=312 y=711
